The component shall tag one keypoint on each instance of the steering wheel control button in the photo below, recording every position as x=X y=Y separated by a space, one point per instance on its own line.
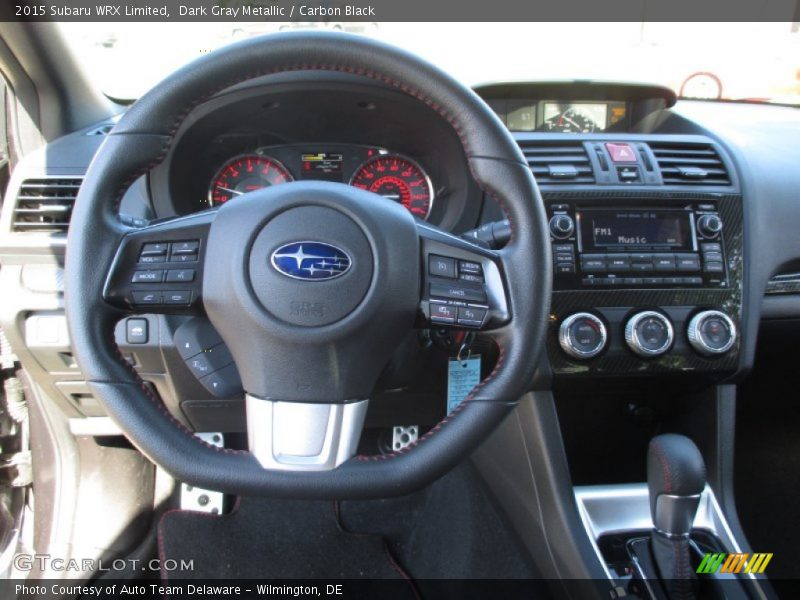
x=195 y=336
x=582 y=336
x=224 y=383
x=443 y=313
x=147 y=277
x=156 y=249
x=178 y=297
x=458 y=292
x=147 y=297
x=440 y=266
x=180 y=275
x=649 y=333
x=470 y=316
x=136 y=331
x=711 y=333
x=188 y=247
x=210 y=360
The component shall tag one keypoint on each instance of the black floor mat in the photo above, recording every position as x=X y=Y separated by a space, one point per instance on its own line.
x=273 y=539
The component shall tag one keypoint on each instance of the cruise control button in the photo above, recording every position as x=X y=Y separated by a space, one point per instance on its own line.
x=179 y=297
x=443 y=313
x=189 y=247
x=180 y=275
x=457 y=292
x=212 y=360
x=147 y=277
x=468 y=266
x=471 y=277
x=146 y=297
x=442 y=266
x=471 y=317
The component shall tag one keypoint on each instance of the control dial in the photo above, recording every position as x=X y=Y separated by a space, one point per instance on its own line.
x=649 y=333
x=562 y=226
x=582 y=335
x=709 y=226
x=711 y=332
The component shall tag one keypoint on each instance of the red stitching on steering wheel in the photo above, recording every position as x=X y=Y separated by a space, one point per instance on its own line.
x=316 y=67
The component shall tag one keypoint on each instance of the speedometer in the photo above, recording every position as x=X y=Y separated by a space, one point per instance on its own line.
x=397 y=178
x=246 y=173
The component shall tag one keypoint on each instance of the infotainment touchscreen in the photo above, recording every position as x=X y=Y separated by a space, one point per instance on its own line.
x=621 y=230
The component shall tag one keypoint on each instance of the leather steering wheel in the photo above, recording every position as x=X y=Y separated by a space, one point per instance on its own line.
x=309 y=351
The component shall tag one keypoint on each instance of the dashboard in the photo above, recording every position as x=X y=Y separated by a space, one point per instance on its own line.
x=653 y=210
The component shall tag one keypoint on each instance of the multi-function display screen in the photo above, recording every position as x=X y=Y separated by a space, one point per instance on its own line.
x=610 y=230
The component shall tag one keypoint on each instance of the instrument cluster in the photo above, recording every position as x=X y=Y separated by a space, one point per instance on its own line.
x=394 y=176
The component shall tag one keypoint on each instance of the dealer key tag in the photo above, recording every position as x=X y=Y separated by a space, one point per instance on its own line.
x=462 y=376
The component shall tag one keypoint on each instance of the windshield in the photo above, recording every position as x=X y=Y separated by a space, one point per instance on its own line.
x=757 y=62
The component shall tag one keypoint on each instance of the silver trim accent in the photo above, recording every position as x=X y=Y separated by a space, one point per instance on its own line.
x=675 y=514
x=303 y=436
x=93 y=426
x=386 y=154
x=614 y=508
x=632 y=336
x=696 y=339
x=565 y=340
x=199 y=499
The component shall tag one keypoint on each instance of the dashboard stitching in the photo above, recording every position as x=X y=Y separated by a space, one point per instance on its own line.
x=322 y=67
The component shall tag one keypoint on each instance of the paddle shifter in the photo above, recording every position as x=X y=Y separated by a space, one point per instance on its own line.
x=676 y=476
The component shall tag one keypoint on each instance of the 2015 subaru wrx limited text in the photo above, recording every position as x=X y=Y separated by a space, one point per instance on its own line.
x=287 y=301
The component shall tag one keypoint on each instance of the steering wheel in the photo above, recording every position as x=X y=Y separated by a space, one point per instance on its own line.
x=309 y=345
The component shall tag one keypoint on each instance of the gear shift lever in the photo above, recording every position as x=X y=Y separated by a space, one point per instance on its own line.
x=676 y=476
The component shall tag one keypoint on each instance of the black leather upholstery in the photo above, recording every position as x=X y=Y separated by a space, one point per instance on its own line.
x=141 y=140
x=674 y=466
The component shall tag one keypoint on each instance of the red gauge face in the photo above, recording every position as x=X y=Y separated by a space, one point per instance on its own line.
x=398 y=179
x=245 y=174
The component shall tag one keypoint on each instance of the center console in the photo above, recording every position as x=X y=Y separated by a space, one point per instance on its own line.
x=645 y=282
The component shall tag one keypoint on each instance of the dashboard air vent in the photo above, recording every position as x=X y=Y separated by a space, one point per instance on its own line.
x=45 y=205
x=558 y=162
x=690 y=164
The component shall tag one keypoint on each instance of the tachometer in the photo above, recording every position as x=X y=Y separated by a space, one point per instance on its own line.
x=243 y=174
x=397 y=178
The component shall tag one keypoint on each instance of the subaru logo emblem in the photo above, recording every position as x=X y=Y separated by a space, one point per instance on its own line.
x=311 y=261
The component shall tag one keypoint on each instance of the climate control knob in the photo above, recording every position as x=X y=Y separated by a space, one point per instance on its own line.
x=649 y=333
x=709 y=226
x=582 y=335
x=562 y=226
x=711 y=332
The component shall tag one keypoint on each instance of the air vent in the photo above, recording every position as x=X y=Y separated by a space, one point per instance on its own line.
x=558 y=162
x=690 y=164
x=45 y=205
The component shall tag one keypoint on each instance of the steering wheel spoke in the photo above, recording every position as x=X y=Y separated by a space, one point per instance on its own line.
x=463 y=284
x=303 y=436
x=159 y=269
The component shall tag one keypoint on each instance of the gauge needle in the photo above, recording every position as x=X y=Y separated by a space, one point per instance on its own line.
x=391 y=196
x=571 y=121
x=230 y=191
